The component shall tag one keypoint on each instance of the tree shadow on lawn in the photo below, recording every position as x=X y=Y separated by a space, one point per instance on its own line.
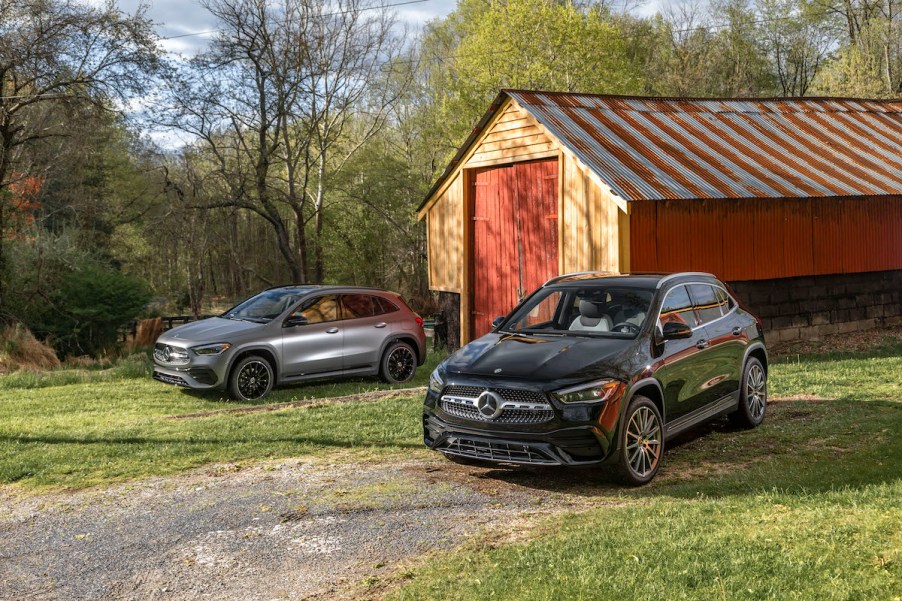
x=203 y=441
x=803 y=445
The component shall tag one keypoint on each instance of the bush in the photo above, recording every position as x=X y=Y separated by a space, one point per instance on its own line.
x=19 y=349
x=92 y=303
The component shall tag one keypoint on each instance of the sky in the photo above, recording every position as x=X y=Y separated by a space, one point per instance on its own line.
x=180 y=17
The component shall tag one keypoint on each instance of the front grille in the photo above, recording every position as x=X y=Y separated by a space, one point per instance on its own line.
x=515 y=395
x=172 y=355
x=512 y=452
x=518 y=406
x=167 y=379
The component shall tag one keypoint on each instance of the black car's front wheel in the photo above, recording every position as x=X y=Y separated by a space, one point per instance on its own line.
x=641 y=442
x=252 y=378
x=399 y=363
x=752 y=395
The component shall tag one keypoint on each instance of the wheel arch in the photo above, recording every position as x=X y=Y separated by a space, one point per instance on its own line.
x=407 y=339
x=759 y=352
x=651 y=388
x=262 y=351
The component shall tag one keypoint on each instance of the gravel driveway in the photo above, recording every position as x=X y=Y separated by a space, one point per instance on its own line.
x=293 y=529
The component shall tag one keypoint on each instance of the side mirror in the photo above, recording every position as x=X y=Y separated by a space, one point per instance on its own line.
x=294 y=321
x=498 y=321
x=674 y=330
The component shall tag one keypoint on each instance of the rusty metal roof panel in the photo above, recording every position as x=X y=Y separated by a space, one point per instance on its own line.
x=661 y=148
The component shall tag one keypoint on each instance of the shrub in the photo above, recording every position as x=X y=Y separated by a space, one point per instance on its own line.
x=19 y=349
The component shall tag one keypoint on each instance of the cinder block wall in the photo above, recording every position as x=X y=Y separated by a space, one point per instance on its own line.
x=811 y=307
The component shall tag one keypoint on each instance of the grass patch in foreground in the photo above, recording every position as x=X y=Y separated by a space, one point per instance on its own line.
x=841 y=545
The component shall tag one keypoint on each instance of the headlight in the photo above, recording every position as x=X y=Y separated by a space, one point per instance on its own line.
x=436 y=381
x=212 y=349
x=598 y=391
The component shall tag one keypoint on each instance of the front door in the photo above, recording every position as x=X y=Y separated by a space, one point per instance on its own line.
x=515 y=236
x=315 y=347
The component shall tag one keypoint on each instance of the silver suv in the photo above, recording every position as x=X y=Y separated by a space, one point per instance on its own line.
x=294 y=334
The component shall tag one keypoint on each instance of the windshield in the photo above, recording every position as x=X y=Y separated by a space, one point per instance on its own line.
x=587 y=311
x=265 y=306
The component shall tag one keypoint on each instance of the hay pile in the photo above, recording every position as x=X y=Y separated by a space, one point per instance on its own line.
x=19 y=349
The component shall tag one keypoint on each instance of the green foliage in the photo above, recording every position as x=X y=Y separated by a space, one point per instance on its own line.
x=91 y=304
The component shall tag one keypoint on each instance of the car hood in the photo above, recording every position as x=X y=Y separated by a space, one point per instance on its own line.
x=542 y=358
x=214 y=329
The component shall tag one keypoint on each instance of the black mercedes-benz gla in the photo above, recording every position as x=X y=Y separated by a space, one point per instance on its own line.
x=595 y=368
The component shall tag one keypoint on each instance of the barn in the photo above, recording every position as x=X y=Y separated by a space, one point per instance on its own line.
x=797 y=203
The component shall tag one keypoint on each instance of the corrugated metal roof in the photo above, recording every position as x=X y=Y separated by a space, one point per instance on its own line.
x=662 y=148
x=656 y=148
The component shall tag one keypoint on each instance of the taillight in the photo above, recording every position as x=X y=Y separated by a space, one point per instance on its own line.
x=419 y=320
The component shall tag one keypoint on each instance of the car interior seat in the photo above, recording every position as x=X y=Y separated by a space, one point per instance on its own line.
x=591 y=318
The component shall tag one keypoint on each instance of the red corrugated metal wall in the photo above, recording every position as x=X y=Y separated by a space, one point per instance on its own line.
x=759 y=239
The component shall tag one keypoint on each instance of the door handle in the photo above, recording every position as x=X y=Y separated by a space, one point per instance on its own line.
x=702 y=344
x=381 y=324
x=737 y=331
x=332 y=331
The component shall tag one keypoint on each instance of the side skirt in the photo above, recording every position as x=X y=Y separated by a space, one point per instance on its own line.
x=727 y=404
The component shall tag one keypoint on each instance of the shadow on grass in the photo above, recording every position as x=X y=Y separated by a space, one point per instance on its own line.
x=803 y=446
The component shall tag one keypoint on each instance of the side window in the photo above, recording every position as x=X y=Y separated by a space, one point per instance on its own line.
x=320 y=309
x=355 y=306
x=726 y=303
x=706 y=302
x=383 y=305
x=677 y=307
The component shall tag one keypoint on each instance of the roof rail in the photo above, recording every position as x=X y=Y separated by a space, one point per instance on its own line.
x=680 y=274
x=562 y=277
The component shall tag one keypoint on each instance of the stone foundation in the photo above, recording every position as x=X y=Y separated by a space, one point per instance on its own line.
x=811 y=307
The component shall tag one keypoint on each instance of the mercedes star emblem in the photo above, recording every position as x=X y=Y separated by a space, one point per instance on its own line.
x=489 y=405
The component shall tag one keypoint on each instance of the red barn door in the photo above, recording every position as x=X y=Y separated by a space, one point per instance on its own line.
x=515 y=236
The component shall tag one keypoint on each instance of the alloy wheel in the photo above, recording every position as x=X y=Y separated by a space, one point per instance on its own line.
x=756 y=391
x=643 y=442
x=401 y=364
x=253 y=380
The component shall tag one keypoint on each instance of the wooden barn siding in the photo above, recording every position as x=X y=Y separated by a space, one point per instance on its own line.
x=514 y=136
x=760 y=239
x=445 y=239
x=590 y=225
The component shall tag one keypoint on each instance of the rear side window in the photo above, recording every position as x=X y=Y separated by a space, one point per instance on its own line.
x=706 y=302
x=726 y=303
x=677 y=307
x=384 y=305
x=354 y=306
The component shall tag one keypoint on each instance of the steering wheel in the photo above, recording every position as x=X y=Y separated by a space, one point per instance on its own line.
x=626 y=327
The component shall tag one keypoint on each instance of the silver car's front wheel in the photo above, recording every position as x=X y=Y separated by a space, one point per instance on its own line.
x=251 y=379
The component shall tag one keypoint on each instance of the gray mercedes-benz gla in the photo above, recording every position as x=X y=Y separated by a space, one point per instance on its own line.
x=294 y=334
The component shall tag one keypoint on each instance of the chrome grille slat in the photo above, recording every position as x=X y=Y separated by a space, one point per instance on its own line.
x=520 y=406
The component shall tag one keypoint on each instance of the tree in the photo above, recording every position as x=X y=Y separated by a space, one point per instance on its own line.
x=273 y=103
x=55 y=56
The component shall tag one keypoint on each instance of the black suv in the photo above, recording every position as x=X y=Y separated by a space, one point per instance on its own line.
x=596 y=368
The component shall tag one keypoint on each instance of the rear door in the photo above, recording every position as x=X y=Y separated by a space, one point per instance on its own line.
x=365 y=327
x=316 y=347
x=682 y=373
x=726 y=339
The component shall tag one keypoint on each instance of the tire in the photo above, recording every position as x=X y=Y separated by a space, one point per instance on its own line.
x=399 y=363
x=251 y=379
x=641 y=442
x=752 y=395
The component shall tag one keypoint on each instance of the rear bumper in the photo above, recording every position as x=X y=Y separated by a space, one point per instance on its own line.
x=574 y=446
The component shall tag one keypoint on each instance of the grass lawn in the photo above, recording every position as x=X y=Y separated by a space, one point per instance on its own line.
x=75 y=428
x=809 y=506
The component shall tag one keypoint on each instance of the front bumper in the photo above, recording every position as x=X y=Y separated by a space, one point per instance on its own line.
x=573 y=446
x=196 y=376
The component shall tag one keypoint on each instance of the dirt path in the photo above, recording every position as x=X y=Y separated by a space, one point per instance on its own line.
x=297 y=529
